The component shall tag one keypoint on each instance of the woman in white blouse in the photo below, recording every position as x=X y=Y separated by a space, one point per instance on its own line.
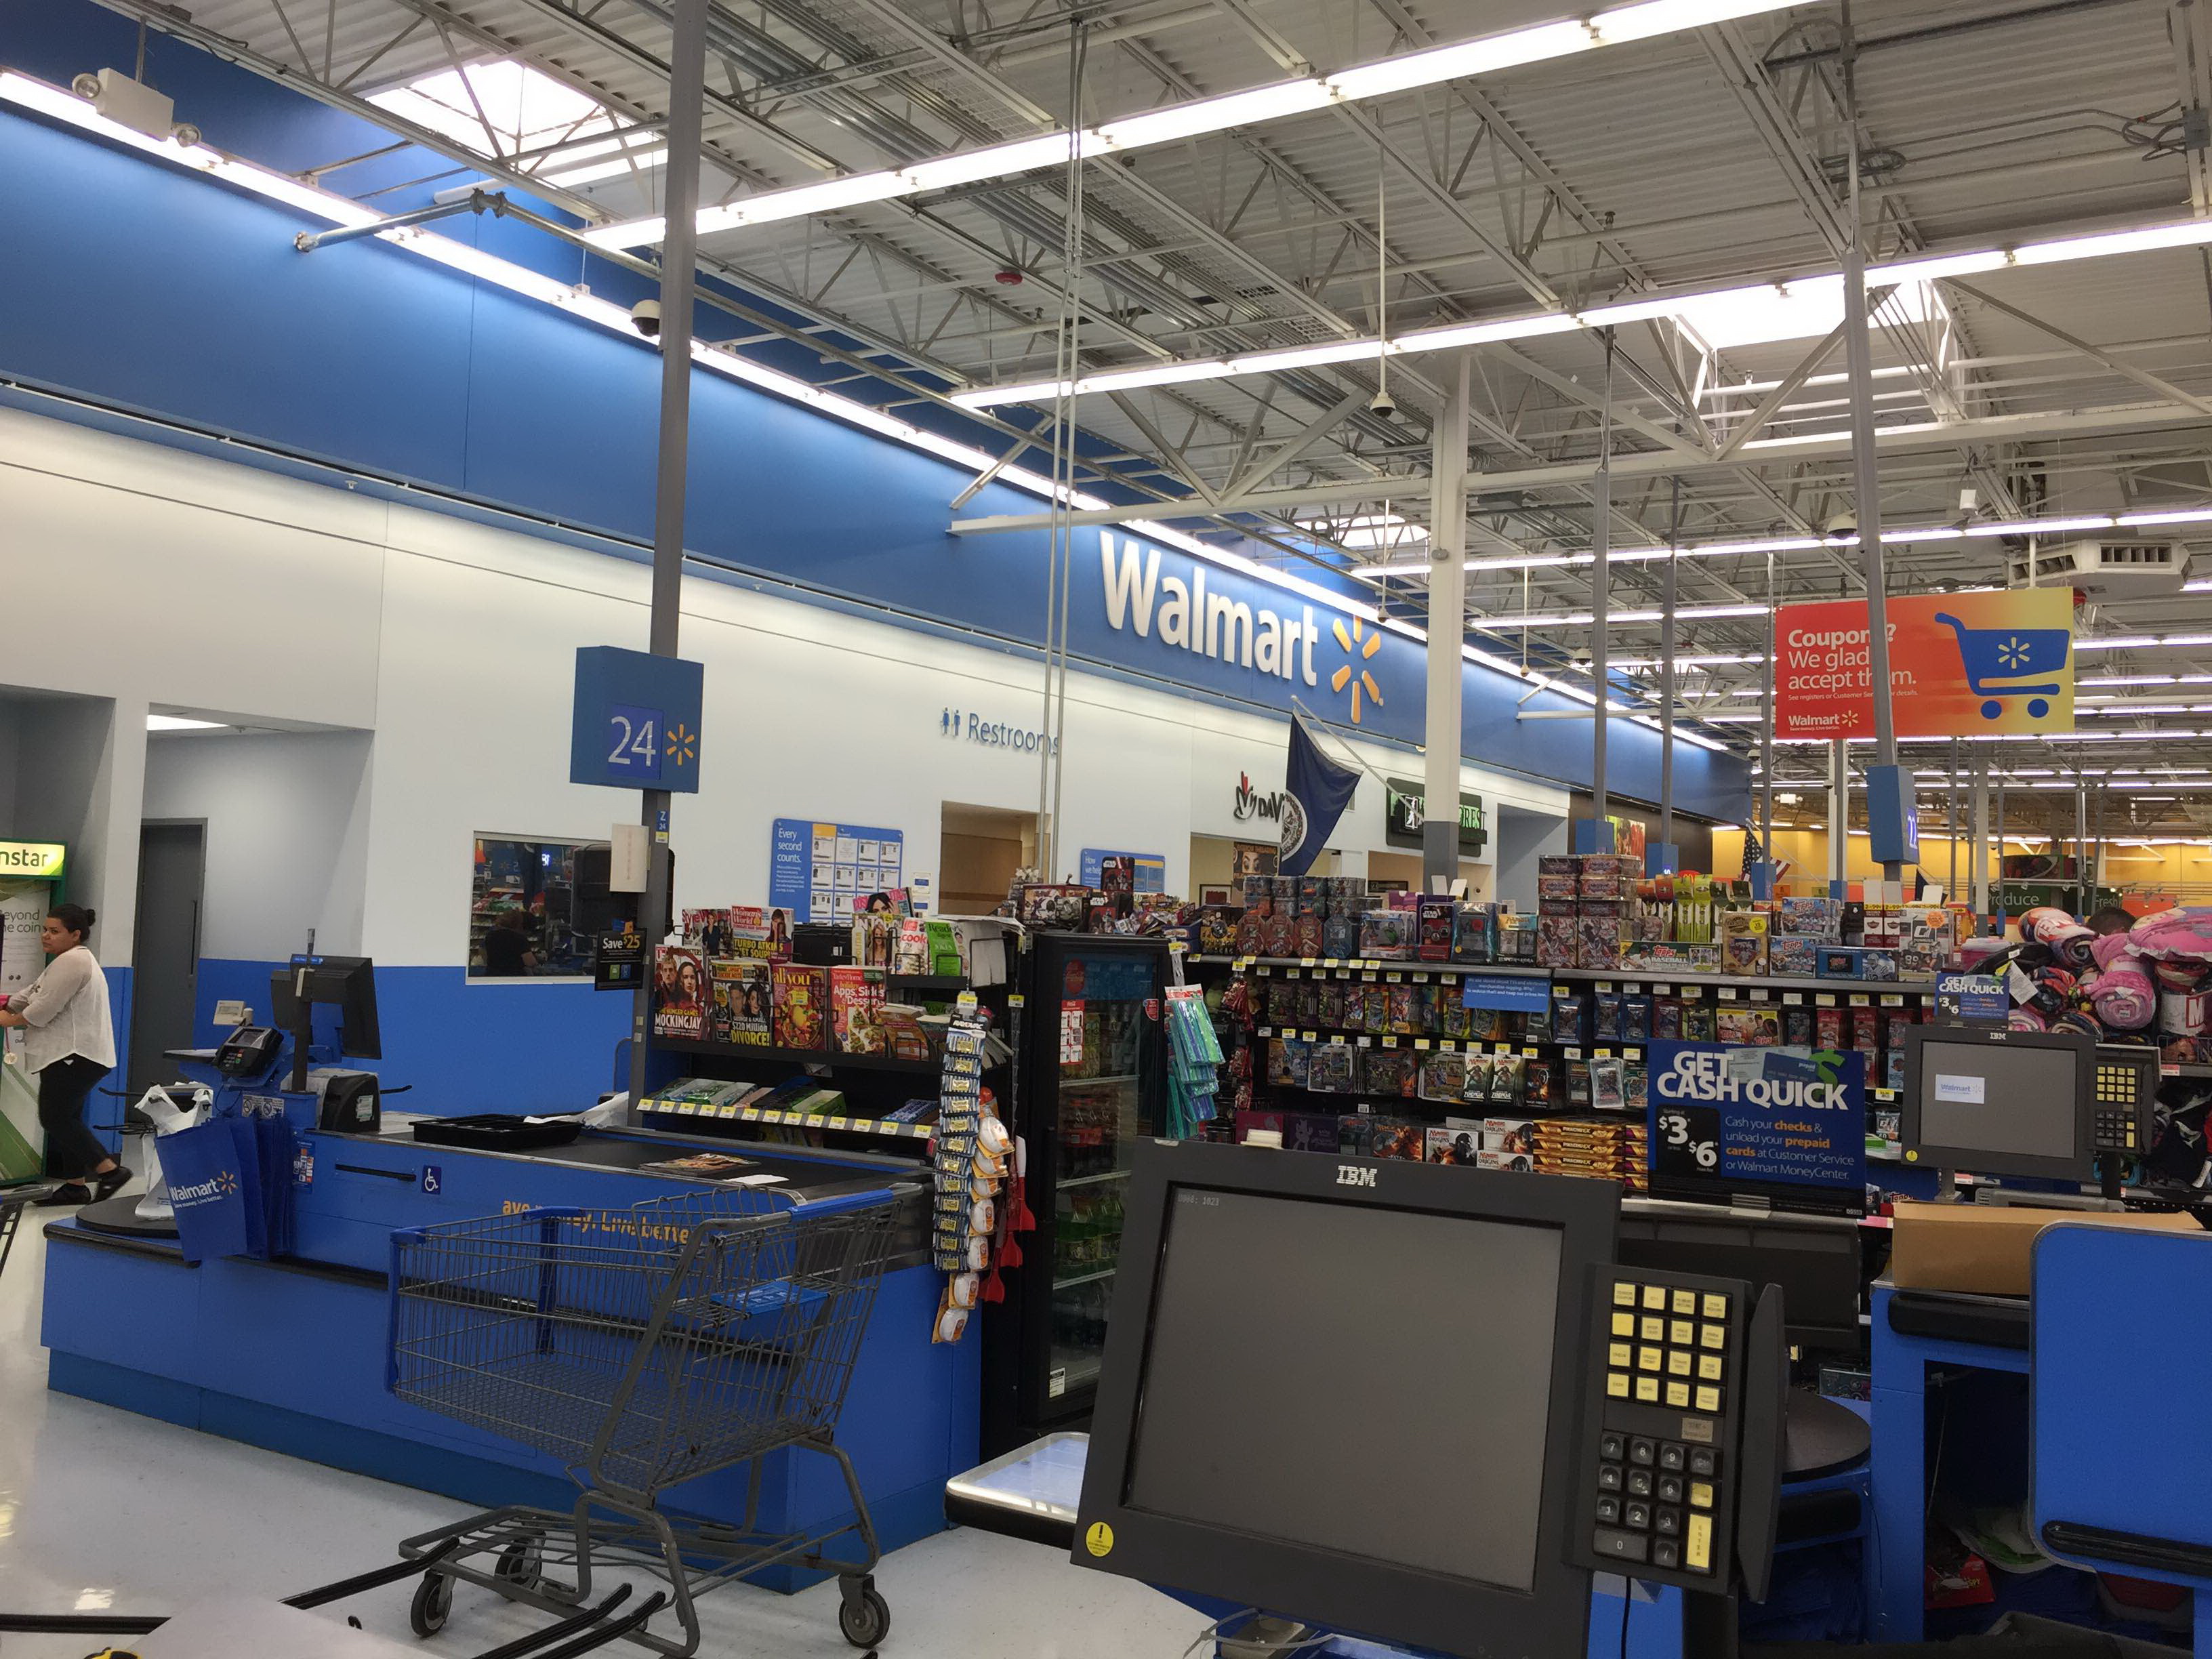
x=69 y=1044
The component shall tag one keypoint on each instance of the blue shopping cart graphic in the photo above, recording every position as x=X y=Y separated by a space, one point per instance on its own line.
x=1996 y=661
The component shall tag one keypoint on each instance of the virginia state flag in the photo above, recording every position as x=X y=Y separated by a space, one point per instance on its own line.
x=1316 y=790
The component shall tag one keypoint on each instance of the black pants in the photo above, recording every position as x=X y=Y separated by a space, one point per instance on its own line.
x=73 y=1152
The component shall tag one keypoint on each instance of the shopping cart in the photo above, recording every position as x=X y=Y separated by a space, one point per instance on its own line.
x=1994 y=657
x=642 y=1347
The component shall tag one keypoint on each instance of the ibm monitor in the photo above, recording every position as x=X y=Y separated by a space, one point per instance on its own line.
x=2000 y=1103
x=1351 y=1391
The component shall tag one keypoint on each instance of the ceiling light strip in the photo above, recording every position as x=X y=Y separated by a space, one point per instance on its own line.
x=1406 y=72
x=2181 y=234
x=1903 y=535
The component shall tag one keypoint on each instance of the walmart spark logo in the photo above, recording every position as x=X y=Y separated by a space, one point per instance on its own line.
x=683 y=744
x=1349 y=640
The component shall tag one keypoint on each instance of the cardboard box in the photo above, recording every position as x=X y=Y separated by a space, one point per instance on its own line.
x=1985 y=1248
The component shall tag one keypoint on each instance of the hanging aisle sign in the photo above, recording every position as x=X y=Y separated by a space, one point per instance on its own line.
x=1961 y=665
x=635 y=722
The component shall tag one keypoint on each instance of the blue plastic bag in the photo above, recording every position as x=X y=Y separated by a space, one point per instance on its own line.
x=214 y=1177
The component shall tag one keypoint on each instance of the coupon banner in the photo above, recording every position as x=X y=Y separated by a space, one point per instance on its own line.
x=1960 y=664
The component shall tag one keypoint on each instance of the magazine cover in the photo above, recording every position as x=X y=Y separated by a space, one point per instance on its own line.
x=751 y=1019
x=679 y=992
x=723 y=990
x=747 y=928
x=855 y=994
x=800 y=996
x=710 y=930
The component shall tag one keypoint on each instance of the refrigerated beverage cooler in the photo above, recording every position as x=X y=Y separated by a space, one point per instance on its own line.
x=1092 y=1080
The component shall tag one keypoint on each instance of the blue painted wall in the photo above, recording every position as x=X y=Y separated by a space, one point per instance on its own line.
x=368 y=358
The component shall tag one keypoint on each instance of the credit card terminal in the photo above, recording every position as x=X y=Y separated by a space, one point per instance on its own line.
x=1682 y=1467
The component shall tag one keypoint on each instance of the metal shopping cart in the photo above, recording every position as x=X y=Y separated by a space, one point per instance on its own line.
x=642 y=1347
x=1996 y=659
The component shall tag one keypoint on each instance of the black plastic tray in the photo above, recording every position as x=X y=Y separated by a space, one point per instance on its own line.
x=494 y=1132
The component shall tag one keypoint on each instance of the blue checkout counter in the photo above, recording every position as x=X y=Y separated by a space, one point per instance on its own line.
x=290 y=1354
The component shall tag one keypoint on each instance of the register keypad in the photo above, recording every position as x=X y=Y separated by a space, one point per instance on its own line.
x=1660 y=1502
x=2117 y=1094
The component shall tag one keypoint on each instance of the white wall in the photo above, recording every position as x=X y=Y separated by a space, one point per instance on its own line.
x=219 y=589
x=286 y=818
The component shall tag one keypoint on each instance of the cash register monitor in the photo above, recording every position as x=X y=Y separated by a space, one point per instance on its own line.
x=1351 y=1392
x=1999 y=1103
x=347 y=984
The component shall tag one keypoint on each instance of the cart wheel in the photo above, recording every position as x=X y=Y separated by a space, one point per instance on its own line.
x=1991 y=709
x=522 y=1563
x=434 y=1600
x=2038 y=706
x=864 y=1620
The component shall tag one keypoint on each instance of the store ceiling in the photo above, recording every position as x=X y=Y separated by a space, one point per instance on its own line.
x=1697 y=159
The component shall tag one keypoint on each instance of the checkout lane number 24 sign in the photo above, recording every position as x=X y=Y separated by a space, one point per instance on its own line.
x=635 y=723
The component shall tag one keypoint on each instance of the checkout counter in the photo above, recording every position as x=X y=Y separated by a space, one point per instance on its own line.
x=291 y=1353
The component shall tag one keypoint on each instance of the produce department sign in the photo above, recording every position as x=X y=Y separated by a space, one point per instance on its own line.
x=1727 y=1118
x=1960 y=665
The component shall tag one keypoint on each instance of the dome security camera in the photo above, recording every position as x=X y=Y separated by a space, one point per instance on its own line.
x=1382 y=404
x=644 y=318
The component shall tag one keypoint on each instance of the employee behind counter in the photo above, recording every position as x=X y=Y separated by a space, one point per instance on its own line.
x=69 y=1045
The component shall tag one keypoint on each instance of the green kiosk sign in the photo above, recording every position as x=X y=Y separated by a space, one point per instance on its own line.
x=30 y=860
x=1406 y=809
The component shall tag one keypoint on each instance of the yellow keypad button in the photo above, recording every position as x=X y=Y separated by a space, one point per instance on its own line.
x=1712 y=1336
x=1678 y=1396
x=1678 y=1364
x=1655 y=1330
x=1647 y=1359
x=1709 y=1400
x=1617 y=1354
x=1654 y=1297
x=1682 y=1333
x=1647 y=1389
x=1616 y=1385
x=1708 y=1367
x=1623 y=1294
x=1624 y=1324
x=1717 y=1307
x=1698 y=1544
x=1685 y=1302
x=1701 y=1494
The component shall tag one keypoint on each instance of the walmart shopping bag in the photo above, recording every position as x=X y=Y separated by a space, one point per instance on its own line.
x=214 y=1184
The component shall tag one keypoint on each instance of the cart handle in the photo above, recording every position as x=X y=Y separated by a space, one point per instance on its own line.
x=376 y=1579
x=554 y=1212
x=841 y=1203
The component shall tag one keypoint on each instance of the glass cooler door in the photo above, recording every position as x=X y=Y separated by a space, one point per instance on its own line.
x=1102 y=1109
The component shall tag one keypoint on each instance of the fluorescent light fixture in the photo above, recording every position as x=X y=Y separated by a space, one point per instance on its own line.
x=1204 y=115
x=828 y=197
x=181 y=723
x=1719 y=307
x=1252 y=106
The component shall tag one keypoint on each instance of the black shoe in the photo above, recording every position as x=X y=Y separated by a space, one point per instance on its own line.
x=70 y=1192
x=106 y=1186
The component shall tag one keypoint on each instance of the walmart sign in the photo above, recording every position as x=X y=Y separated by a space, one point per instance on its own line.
x=1190 y=622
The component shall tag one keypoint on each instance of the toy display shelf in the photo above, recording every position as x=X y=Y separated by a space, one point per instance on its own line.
x=865 y=1125
x=1658 y=980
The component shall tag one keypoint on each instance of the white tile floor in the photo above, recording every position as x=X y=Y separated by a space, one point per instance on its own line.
x=100 y=1507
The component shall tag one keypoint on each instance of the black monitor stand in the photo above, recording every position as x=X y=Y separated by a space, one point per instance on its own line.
x=303 y=1030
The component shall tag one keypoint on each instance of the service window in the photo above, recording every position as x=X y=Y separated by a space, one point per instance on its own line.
x=522 y=910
